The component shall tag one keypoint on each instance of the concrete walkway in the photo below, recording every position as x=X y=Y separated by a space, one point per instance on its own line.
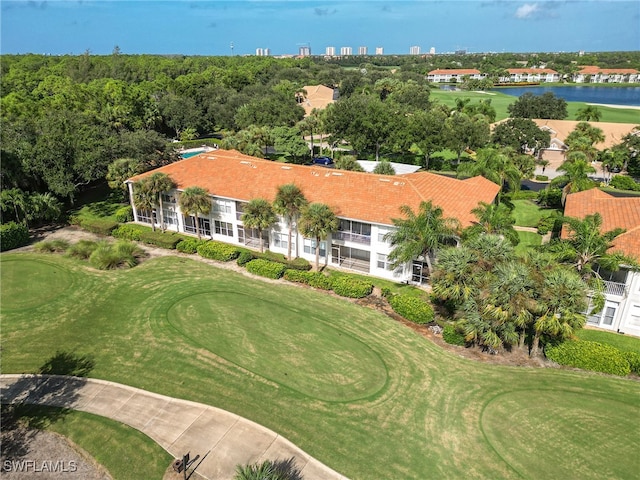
x=222 y=439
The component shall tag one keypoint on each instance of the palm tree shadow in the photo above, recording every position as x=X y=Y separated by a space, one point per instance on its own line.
x=21 y=410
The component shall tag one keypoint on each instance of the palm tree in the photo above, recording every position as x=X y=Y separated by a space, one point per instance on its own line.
x=317 y=221
x=120 y=170
x=420 y=234
x=259 y=214
x=575 y=178
x=144 y=199
x=289 y=203
x=16 y=200
x=493 y=219
x=589 y=113
x=43 y=206
x=160 y=183
x=583 y=138
x=384 y=167
x=494 y=165
x=195 y=201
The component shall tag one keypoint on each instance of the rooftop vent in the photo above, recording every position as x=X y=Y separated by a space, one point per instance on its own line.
x=398 y=183
x=337 y=174
x=285 y=168
x=384 y=180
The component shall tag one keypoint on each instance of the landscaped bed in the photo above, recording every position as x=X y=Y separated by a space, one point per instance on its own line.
x=352 y=387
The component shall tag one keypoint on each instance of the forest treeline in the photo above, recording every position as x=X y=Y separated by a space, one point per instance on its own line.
x=65 y=119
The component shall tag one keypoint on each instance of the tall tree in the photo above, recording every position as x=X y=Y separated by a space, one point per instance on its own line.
x=546 y=105
x=120 y=170
x=195 y=201
x=160 y=183
x=144 y=199
x=317 y=221
x=465 y=132
x=590 y=113
x=259 y=214
x=493 y=219
x=289 y=203
x=583 y=139
x=521 y=134
x=494 y=165
x=420 y=234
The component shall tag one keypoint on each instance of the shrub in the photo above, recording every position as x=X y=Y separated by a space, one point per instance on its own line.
x=166 y=240
x=550 y=197
x=634 y=361
x=542 y=178
x=82 y=249
x=386 y=292
x=313 y=279
x=551 y=222
x=587 y=355
x=100 y=226
x=296 y=263
x=452 y=336
x=189 y=245
x=13 y=235
x=299 y=264
x=222 y=252
x=266 y=268
x=523 y=195
x=347 y=286
x=623 y=182
x=108 y=256
x=52 y=246
x=129 y=232
x=412 y=308
x=244 y=258
x=124 y=214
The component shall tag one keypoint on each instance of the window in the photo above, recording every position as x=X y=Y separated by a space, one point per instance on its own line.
x=169 y=216
x=634 y=315
x=204 y=224
x=222 y=206
x=223 y=228
x=619 y=276
x=145 y=216
x=354 y=231
x=310 y=247
x=383 y=262
x=166 y=198
x=381 y=234
x=281 y=240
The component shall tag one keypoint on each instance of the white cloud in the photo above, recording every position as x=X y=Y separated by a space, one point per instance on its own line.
x=527 y=10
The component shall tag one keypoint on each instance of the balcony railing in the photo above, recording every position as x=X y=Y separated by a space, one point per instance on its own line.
x=614 y=288
x=352 y=237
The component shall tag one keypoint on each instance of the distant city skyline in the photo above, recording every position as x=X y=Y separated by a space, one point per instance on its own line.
x=192 y=27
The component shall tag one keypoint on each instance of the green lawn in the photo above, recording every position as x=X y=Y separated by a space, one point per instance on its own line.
x=500 y=101
x=528 y=239
x=528 y=213
x=354 y=388
x=123 y=451
x=622 y=342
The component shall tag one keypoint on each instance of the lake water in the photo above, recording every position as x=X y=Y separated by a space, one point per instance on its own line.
x=607 y=95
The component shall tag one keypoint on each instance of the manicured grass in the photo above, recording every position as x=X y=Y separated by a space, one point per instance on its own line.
x=528 y=239
x=379 y=401
x=500 y=101
x=528 y=213
x=621 y=342
x=123 y=451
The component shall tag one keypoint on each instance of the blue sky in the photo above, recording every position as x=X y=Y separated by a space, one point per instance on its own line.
x=200 y=27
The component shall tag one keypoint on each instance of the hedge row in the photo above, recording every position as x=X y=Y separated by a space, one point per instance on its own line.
x=313 y=279
x=266 y=268
x=350 y=287
x=412 y=308
x=189 y=245
x=222 y=252
x=13 y=235
x=589 y=355
x=140 y=233
x=100 y=226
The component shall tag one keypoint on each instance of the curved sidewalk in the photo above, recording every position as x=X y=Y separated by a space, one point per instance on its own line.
x=221 y=439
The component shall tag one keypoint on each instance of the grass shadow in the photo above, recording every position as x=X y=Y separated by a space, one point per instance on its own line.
x=21 y=410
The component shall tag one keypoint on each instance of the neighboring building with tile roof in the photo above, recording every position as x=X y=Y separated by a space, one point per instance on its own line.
x=560 y=130
x=531 y=75
x=622 y=307
x=593 y=74
x=317 y=96
x=366 y=203
x=454 y=75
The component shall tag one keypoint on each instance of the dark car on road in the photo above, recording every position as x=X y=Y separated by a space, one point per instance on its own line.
x=322 y=161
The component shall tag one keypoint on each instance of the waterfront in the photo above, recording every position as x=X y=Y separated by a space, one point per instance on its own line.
x=629 y=96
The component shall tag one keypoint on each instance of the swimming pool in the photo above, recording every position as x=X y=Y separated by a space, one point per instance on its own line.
x=192 y=153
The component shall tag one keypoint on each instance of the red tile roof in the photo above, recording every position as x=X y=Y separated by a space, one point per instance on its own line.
x=593 y=70
x=454 y=71
x=354 y=195
x=616 y=212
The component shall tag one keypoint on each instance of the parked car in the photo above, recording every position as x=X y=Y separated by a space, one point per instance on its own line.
x=322 y=161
